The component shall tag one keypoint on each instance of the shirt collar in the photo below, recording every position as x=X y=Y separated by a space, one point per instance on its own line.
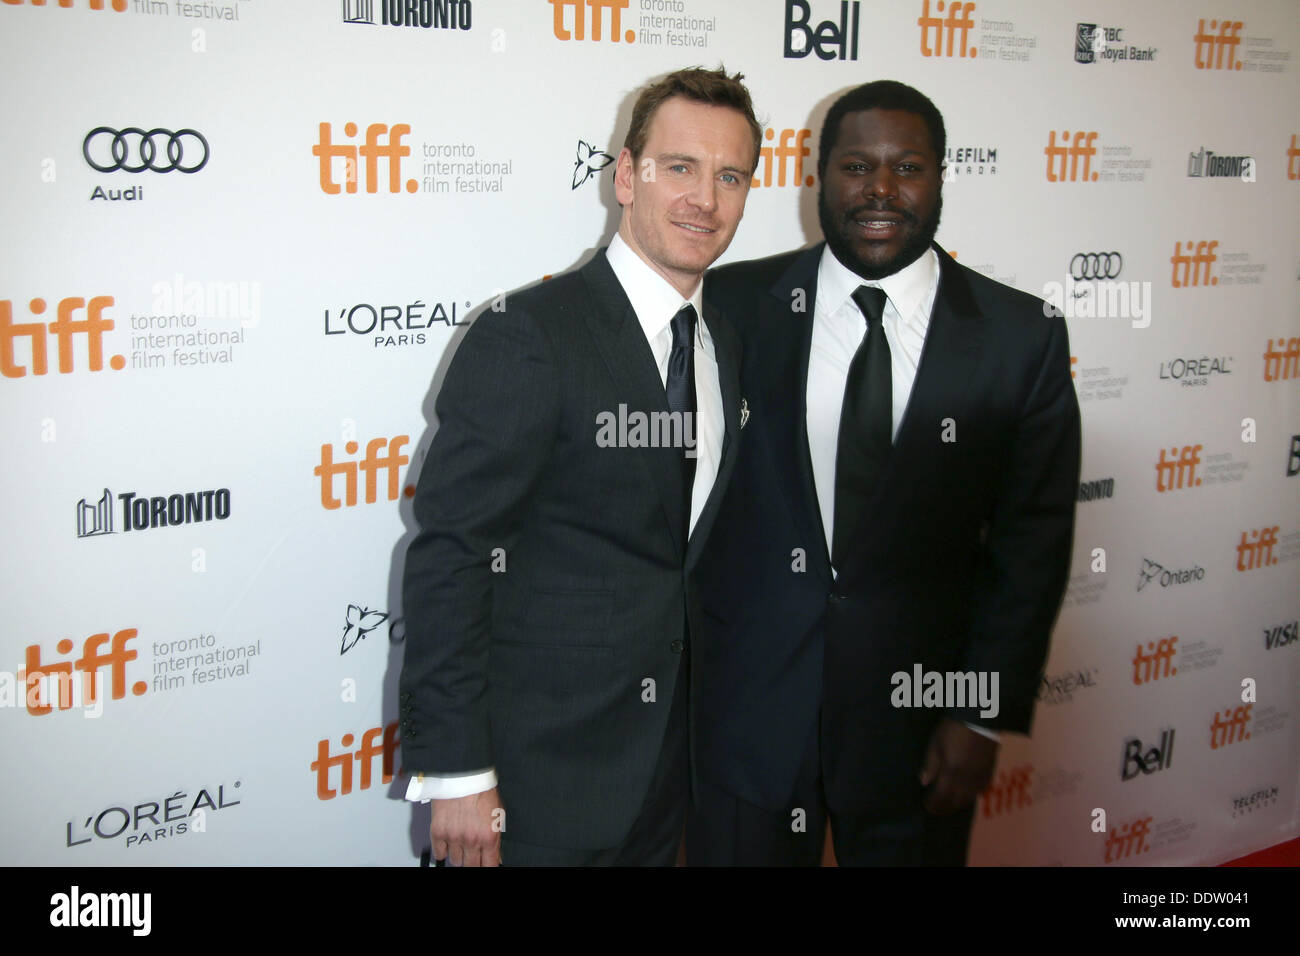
x=909 y=289
x=653 y=298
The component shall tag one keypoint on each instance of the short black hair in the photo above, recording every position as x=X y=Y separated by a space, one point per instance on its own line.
x=881 y=95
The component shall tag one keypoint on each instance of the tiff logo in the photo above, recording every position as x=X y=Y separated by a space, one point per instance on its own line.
x=1008 y=791
x=374 y=461
x=1157 y=662
x=615 y=8
x=1191 y=263
x=374 y=149
x=1293 y=160
x=1231 y=728
x=1128 y=839
x=1080 y=148
x=95 y=519
x=118 y=5
x=959 y=22
x=1282 y=360
x=63 y=328
x=365 y=756
x=92 y=659
x=1179 y=469
x=1256 y=551
x=769 y=156
x=1213 y=46
x=801 y=38
x=1157 y=758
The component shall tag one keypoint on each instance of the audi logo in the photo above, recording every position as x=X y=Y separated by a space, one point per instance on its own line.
x=133 y=150
x=1096 y=265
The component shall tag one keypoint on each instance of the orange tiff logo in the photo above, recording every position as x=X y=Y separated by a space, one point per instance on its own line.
x=92 y=659
x=1293 y=160
x=376 y=460
x=118 y=5
x=1081 y=148
x=1213 y=45
x=371 y=747
x=615 y=8
x=1178 y=470
x=1191 y=262
x=791 y=148
x=1157 y=662
x=1282 y=360
x=382 y=142
x=1128 y=839
x=955 y=29
x=63 y=329
x=1255 y=550
x=1008 y=791
x=1230 y=728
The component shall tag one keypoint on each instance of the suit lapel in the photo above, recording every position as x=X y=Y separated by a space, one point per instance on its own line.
x=622 y=344
x=785 y=361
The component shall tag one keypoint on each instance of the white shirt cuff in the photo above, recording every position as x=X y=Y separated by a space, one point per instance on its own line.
x=425 y=787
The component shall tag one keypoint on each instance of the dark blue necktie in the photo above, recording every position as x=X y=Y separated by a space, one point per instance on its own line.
x=681 y=395
x=866 y=425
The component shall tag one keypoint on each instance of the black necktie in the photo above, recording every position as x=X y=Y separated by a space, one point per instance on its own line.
x=681 y=397
x=866 y=425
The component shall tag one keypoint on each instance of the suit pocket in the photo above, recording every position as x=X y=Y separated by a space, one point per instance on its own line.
x=561 y=617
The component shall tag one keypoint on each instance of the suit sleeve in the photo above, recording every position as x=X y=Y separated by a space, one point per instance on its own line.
x=498 y=412
x=1026 y=558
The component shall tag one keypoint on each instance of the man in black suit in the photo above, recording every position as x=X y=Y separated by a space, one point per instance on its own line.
x=903 y=505
x=586 y=433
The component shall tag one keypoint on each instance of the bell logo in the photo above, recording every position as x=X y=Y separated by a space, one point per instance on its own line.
x=1213 y=45
x=1256 y=548
x=63 y=328
x=371 y=151
x=959 y=22
x=117 y=5
x=1081 y=147
x=92 y=659
x=1128 y=839
x=828 y=40
x=615 y=8
x=769 y=156
x=1157 y=662
x=365 y=755
x=1293 y=160
x=1178 y=469
x=1191 y=263
x=1282 y=360
x=1157 y=758
x=374 y=461
x=1009 y=791
x=1230 y=728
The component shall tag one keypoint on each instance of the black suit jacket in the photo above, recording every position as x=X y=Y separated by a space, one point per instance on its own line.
x=960 y=562
x=538 y=669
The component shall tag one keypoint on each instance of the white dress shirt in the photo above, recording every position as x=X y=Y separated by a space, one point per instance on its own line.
x=838 y=329
x=655 y=302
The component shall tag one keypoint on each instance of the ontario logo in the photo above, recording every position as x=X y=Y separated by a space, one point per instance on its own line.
x=1150 y=571
x=359 y=621
x=589 y=163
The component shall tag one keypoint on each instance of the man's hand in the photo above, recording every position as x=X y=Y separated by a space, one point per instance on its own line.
x=959 y=763
x=463 y=829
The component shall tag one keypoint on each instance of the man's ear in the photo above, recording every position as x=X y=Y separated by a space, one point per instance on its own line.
x=624 y=174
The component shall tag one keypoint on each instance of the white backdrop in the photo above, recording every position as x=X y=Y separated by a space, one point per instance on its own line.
x=192 y=335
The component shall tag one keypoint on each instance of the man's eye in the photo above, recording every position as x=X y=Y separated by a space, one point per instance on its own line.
x=730 y=178
x=677 y=168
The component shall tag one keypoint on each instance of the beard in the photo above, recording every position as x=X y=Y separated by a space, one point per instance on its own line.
x=917 y=236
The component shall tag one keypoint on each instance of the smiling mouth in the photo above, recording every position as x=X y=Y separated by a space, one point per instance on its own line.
x=691 y=227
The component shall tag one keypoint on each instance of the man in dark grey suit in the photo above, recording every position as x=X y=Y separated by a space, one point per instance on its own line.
x=901 y=515
x=586 y=432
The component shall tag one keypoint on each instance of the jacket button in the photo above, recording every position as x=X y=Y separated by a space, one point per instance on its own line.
x=677 y=646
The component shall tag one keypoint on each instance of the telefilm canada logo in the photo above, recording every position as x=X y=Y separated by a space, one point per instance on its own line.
x=969 y=161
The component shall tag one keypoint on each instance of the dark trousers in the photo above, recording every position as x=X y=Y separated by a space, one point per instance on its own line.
x=656 y=833
x=723 y=830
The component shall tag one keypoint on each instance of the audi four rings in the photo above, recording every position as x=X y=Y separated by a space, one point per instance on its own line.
x=133 y=150
x=1096 y=265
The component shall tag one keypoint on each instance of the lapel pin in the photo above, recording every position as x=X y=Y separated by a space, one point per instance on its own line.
x=744 y=411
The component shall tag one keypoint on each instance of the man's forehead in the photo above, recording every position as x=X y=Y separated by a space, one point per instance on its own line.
x=865 y=128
